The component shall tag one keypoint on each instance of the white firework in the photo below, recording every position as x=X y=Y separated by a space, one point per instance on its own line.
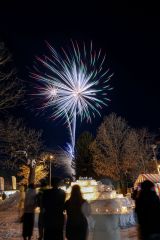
x=74 y=84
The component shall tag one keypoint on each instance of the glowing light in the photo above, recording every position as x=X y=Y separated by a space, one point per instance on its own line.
x=88 y=189
x=74 y=84
x=124 y=209
x=86 y=183
x=100 y=201
x=53 y=92
x=79 y=82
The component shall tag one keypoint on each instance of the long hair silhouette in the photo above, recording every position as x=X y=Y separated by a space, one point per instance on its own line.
x=76 y=196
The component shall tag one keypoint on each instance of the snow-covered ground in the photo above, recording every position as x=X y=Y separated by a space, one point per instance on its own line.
x=11 y=229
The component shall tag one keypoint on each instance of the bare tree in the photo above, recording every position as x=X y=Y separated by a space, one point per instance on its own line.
x=10 y=86
x=21 y=145
x=145 y=159
x=120 y=152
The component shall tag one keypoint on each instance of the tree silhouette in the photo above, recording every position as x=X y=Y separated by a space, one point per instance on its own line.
x=121 y=152
x=21 y=145
x=10 y=86
x=84 y=166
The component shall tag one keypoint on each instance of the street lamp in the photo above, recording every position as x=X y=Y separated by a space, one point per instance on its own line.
x=50 y=169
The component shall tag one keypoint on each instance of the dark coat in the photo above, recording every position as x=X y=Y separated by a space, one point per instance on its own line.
x=77 y=225
x=53 y=206
x=148 y=212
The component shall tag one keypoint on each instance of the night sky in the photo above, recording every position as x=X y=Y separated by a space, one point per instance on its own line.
x=129 y=36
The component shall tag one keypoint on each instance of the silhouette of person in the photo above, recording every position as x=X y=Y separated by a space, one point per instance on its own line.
x=148 y=212
x=28 y=217
x=77 y=209
x=53 y=207
x=40 y=205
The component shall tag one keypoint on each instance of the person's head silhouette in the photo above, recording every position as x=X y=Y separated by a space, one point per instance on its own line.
x=55 y=182
x=76 y=194
x=147 y=186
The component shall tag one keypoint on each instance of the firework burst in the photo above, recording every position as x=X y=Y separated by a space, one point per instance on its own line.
x=74 y=84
